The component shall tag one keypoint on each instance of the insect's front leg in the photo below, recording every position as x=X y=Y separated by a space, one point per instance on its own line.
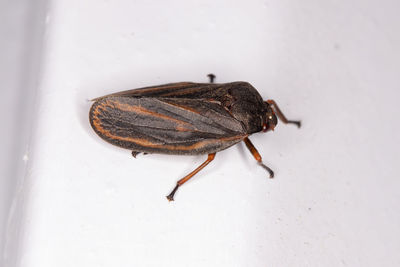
x=257 y=156
x=280 y=114
x=211 y=156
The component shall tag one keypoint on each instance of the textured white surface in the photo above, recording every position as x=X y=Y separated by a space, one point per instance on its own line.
x=335 y=199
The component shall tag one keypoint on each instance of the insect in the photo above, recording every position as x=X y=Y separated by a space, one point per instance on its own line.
x=185 y=119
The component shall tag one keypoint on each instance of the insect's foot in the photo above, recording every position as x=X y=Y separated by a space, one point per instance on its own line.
x=268 y=169
x=298 y=123
x=170 y=197
x=135 y=153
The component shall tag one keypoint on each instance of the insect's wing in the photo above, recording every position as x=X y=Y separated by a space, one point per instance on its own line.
x=165 y=125
x=174 y=90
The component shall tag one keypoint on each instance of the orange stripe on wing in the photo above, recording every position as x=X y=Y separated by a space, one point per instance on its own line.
x=140 y=110
x=146 y=143
x=181 y=107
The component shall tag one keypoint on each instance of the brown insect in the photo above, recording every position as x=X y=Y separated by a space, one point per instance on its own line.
x=185 y=119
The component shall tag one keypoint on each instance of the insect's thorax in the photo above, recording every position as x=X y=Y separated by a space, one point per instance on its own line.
x=246 y=105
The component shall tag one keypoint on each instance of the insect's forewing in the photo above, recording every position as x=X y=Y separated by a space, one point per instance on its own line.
x=165 y=124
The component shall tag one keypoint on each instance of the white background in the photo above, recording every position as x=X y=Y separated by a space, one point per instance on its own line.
x=335 y=200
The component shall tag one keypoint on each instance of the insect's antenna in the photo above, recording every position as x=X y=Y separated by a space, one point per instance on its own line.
x=212 y=77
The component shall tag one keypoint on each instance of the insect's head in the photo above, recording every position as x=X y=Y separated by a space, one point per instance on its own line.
x=270 y=118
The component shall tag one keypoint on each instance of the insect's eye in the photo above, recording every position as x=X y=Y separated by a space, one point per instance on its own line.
x=273 y=119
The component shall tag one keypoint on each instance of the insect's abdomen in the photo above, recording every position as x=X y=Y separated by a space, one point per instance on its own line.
x=167 y=126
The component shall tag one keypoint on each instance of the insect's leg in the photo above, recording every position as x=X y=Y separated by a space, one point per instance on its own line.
x=170 y=197
x=257 y=156
x=135 y=153
x=212 y=77
x=280 y=114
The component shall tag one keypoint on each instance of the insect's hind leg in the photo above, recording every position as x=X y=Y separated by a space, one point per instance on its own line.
x=280 y=114
x=210 y=158
x=257 y=156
